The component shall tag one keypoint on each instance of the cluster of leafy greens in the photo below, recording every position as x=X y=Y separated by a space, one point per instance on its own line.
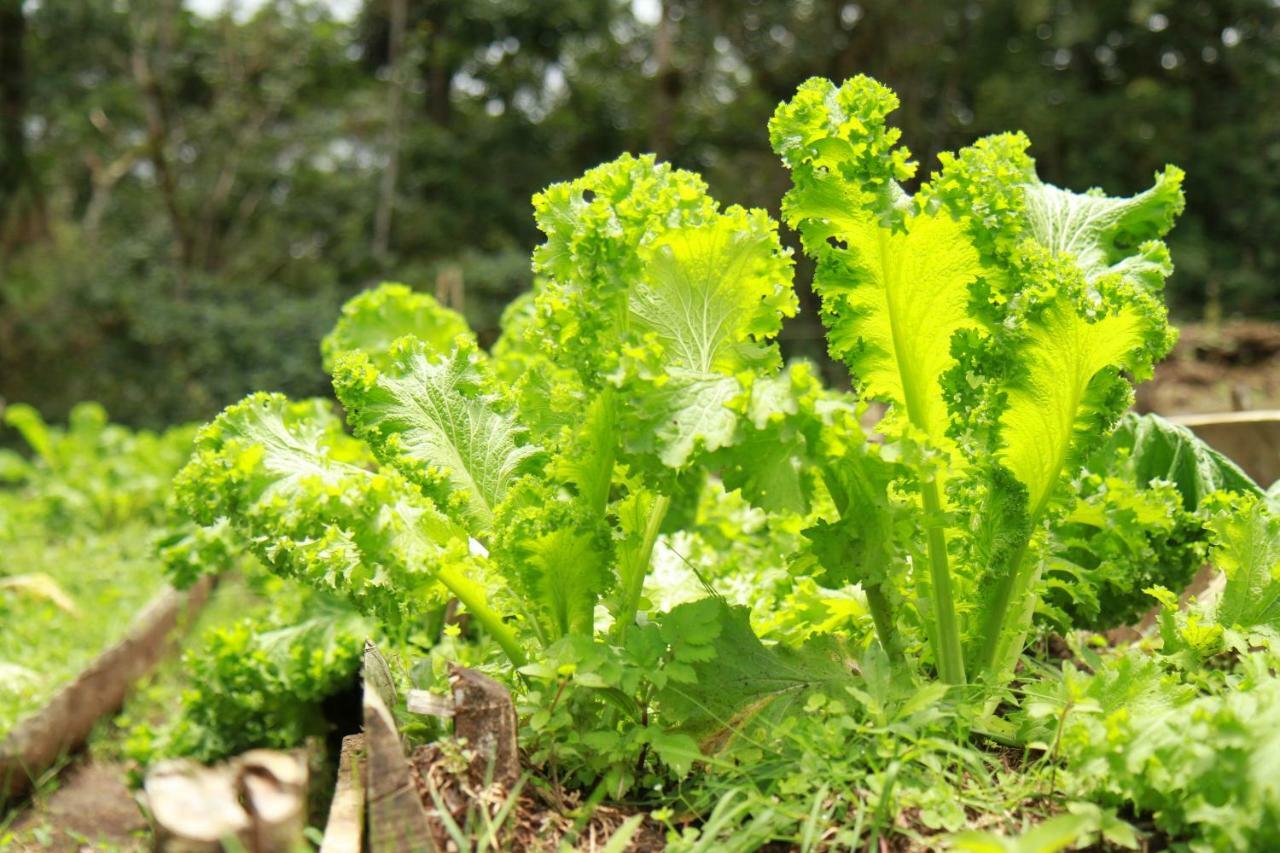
x=636 y=412
x=78 y=511
x=259 y=680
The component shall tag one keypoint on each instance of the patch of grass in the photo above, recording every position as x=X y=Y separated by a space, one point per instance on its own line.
x=103 y=580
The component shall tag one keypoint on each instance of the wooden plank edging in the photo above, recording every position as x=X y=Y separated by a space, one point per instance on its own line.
x=344 y=830
x=1249 y=439
x=66 y=720
x=397 y=818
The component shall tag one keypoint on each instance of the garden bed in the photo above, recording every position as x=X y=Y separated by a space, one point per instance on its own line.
x=65 y=721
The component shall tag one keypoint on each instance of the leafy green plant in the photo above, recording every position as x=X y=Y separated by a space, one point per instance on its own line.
x=998 y=317
x=999 y=321
x=91 y=474
x=258 y=681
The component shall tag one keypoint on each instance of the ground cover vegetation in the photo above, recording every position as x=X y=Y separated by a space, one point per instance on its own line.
x=78 y=516
x=745 y=601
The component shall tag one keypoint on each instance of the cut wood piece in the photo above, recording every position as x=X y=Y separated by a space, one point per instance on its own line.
x=1250 y=439
x=258 y=799
x=485 y=716
x=66 y=720
x=273 y=787
x=344 y=830
x=428 y=704
x=194 y=808
x=397 y=819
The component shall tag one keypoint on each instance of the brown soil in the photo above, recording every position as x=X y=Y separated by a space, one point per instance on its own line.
x=92 y=809
x=1231 y=367
x=443 y=778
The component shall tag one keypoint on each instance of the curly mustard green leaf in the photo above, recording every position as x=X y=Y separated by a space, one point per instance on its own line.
x=769 y=460
x=438 y=420
x=373 y=320
x=368 y=536
x=709 y=292
x=1246 y=547
x=892 y=301
x=1109 y=235
x=840 y=134
x=984 y=187
x=595 y=227
x=551 y=533
x=650 y=289
x=1069 y=392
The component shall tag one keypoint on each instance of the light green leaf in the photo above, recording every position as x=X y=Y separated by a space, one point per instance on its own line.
x=1246 y=548
x=436 y=419
x=653 y=290
x=266 y=464
x=880 y=293
x=709 y=291
x=375 y=319
x=1062 y=393
x=1109 y=235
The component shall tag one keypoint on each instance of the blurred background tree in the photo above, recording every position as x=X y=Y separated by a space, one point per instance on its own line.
x=188 y=191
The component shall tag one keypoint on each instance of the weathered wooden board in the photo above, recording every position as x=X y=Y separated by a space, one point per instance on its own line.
x=344 y=830
x=1250 y=439
x=66 y=720
x=485 y=716
x=397 y=819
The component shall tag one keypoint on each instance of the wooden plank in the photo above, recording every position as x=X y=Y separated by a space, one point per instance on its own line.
x=397 y=819
x=485 y=716
x=1250 y=439
x=344 y=830
x=66 y=720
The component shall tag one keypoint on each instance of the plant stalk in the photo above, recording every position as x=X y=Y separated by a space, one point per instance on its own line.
x=640 y=563
x=949 y=653
x=472 y=596
x=993 y=621
x=882 y=615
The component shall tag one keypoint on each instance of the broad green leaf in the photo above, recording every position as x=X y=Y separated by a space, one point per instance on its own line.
x=595 y=228
x=895 y=286
x=375 y=319
x=1069 y=387
x=825 y=129
x=1246 y=548
x=569 y=567
x=1148 y=447
x=437 y=419
x=708 y=292
x=652 y=289
x=265 y=463
x=769 y=460
x=744 y=679
x=1108 y=235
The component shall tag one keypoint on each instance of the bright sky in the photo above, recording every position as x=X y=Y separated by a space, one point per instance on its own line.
x=646 y=11
x=344 y=10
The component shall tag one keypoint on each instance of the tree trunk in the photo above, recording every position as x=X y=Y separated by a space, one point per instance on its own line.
x=395 y=96
x=666 y=86
x=158 y=134
x=22 y=211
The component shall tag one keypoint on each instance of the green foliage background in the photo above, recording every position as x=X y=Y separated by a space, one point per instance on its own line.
x=186 y=201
